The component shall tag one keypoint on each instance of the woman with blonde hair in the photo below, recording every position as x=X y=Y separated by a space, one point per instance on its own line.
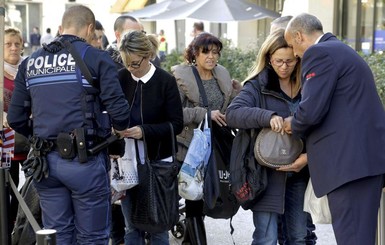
x=154 y=99
x=276 y=75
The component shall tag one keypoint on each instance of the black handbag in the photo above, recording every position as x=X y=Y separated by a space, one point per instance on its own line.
x=155 y=203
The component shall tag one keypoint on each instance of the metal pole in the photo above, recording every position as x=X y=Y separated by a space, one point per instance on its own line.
x=4 y=194
x=4 y=203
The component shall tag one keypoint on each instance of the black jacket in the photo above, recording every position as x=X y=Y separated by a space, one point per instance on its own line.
x=160 y=104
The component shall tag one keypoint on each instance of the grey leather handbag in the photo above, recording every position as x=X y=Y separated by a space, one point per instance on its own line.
x=275 y=150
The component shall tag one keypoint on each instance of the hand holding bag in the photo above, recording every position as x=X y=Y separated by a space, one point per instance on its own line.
x=191 y=175
x=274 y=150
x=155 y=203
x=124 y=172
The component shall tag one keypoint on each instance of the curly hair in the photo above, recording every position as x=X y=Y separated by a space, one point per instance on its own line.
x=204 y=42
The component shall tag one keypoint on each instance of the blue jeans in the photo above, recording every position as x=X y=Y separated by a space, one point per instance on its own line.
x=266 y=223
x=75 y=200
x=134 y=236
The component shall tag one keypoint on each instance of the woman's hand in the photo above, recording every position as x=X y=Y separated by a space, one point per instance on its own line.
x=218 y=117
x=237 y=86
x=134 y=132
x=297 y=165
x=276 y=124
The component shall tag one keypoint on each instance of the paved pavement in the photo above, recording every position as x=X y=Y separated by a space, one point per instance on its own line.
x=218 y=231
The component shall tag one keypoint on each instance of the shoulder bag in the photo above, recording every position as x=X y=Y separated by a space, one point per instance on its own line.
x=219 y=202
x=274 y=150
x=155 y=203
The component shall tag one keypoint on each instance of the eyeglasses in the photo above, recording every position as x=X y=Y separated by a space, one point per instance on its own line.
x=136 y=64
x=280 y=63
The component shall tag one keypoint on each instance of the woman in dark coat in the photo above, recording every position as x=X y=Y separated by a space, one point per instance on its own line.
x=155 y=102
x=276 y=71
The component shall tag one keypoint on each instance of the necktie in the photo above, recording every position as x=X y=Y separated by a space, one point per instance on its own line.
x=136 y=106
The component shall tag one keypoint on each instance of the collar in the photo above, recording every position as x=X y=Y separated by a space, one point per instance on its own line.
x=146 y=77
x=318 y=39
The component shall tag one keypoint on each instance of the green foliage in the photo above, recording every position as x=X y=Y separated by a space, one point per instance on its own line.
x=172 y=59
x=238 y=62
x=376 y=62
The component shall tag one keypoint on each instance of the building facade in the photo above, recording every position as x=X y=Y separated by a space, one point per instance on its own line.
x=360 y=23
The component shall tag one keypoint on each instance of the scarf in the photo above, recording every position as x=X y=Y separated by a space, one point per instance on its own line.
x=12 y=69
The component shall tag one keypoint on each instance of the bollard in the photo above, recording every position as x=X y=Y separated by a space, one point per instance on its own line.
x=46 y=237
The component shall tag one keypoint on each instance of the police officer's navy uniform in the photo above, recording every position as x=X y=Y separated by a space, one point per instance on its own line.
x=75 y=198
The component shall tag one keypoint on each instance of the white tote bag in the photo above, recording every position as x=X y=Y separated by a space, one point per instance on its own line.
x=124 y=171
x=317 y=207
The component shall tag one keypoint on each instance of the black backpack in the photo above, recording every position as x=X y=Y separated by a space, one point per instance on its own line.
x=248 y=179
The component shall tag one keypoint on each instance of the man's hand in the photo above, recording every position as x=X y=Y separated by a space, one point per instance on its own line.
x=287 y=124
x=297 y=165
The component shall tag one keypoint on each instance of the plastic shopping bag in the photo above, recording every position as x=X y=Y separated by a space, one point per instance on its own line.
x=124 y=171
x=317 y=207
x=191 y=175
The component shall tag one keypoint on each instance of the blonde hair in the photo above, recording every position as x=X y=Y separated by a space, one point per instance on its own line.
x=272 y=43
x=13 y=31
x=138 y=43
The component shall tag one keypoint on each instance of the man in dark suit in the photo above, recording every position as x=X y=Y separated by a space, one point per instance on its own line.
x=343 y=121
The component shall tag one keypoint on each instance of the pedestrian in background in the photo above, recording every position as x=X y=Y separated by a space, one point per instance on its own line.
x=162 y=46
x=47 y=37
x=276 y=73
x=343 y=121
x=34 y=39
x=154 y=98
x=203 y=53
x=280 y=23
x=75 y=195
x=198 y=28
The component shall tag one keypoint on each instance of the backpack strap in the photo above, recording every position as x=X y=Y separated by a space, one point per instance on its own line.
x=257 y=86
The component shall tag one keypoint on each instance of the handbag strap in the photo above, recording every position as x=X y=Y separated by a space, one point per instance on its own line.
x=145 y=144
x=202 y=92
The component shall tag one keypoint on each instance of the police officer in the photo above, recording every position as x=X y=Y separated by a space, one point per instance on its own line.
x=74 y=194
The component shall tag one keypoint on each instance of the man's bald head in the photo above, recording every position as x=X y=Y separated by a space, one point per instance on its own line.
x=126 y=23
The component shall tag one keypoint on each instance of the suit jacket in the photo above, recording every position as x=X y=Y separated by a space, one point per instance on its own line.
x=341 y=116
